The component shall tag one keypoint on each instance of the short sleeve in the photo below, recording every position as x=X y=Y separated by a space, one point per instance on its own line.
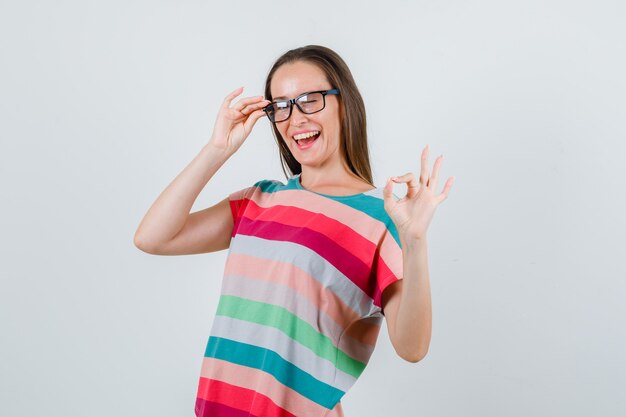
x=387 y=262
x=238 y=201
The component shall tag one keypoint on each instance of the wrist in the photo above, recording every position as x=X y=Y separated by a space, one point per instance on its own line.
x=412 y=242
x=221 y=153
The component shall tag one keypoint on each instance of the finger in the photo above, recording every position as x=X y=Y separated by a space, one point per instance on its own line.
x=241 y=104
x=446 y=189
x=424 y=168
x=412 y=185
x=432 y=182
x=231 y=96
x=255 y=106
x=252 y=118
x=388 y=198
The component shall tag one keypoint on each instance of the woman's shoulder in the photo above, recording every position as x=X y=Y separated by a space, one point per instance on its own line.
x=269 y=184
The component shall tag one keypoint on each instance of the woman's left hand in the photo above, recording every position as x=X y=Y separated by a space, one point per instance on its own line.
x=413 y=213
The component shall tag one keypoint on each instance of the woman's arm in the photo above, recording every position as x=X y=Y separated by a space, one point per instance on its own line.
x=409 y=311
x=166 y=219
x=407 y=304
x=168 y=228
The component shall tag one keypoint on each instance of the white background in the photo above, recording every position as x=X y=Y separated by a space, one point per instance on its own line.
x=103 y=103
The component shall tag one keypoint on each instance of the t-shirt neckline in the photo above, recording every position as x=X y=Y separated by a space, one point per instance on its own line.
x=296 y=179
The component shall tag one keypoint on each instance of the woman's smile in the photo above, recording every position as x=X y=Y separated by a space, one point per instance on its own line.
x=306 y=140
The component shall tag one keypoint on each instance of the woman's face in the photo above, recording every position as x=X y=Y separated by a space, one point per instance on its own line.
x=291 y=80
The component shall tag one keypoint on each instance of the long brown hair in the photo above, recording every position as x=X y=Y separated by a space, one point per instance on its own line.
x=353 y=137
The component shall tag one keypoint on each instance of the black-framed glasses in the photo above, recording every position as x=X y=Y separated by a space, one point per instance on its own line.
x=308 y=103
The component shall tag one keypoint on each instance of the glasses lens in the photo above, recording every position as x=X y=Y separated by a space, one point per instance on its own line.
x=278 y=111
x=311 y=103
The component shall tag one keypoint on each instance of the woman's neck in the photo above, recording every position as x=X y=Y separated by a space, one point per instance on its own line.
x=333 y=180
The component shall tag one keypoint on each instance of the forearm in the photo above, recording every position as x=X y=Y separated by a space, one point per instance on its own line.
x=169 y=212
x=414 y=323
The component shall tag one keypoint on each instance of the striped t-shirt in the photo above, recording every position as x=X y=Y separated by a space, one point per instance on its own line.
x=300 y=303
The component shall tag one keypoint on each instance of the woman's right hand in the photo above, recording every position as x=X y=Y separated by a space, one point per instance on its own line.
x=234 y=124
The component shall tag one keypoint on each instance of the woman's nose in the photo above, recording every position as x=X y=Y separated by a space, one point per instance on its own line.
x=297 y=117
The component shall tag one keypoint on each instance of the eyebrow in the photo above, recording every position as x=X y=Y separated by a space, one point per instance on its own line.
x=285 y=98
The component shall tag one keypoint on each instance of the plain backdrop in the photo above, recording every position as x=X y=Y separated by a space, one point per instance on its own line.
x=103 y=103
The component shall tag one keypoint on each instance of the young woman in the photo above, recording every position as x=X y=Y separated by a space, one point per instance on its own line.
x=314 y=264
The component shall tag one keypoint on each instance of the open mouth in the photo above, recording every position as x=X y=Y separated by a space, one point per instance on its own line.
x=305 y=140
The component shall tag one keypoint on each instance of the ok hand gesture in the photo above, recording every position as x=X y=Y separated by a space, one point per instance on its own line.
x=413 y=213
